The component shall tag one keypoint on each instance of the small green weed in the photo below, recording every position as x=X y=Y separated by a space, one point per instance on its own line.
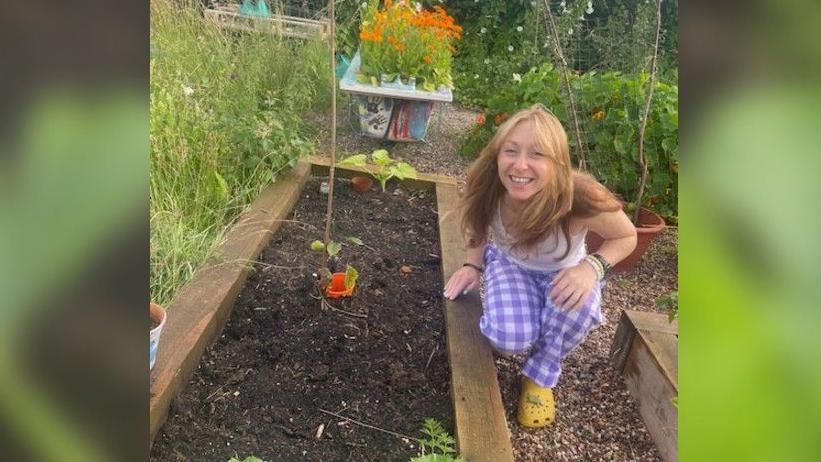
x=437 y=445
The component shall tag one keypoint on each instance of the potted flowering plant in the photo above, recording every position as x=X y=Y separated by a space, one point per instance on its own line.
x=411 y=44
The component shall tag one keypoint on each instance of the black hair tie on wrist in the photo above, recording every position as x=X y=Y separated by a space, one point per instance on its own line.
x=476 y=267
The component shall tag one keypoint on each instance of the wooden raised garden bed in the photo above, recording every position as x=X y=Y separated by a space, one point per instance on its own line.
x=389 y=334
x=645 y=353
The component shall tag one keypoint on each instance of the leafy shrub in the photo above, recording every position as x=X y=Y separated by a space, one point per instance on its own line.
x=504 y=37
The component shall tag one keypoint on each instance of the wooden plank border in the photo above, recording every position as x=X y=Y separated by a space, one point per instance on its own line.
x=645 y=353
x=481 y=428
x=200 y=310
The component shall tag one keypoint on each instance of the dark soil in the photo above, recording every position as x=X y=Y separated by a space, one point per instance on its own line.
x=378 y=358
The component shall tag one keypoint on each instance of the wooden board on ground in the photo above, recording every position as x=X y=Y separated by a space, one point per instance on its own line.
x=229 y=17
x=200 y=310
x=481 y=428
x=645 y=352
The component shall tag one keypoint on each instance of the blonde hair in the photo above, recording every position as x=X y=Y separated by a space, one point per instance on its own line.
x=567 y=193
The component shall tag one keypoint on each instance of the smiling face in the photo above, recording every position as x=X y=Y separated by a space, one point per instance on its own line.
x=524 y=166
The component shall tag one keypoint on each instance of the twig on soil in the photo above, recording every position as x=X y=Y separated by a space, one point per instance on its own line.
x=398 y=435
x=435 y=349
x=356 y=315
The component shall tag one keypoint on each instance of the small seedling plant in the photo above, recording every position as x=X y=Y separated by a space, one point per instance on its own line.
x=333 y=248
x=383 y=167
x=437 y=445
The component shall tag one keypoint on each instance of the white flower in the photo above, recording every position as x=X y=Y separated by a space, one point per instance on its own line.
x=482 y=30
x=519 y=29
x=570 y=32
x=475 y=76
x=187 y=90
x=487 y=60
x=363 y=5
x=589 y=10
x=590 y=4
x=418 y=7
x=563 y=4
x=533 y=4
x=517 y=78
x=510 y=48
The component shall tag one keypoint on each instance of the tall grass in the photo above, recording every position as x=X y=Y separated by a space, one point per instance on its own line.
x=225 y=121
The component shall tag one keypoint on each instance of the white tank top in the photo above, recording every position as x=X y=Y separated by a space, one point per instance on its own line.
x=545 y=257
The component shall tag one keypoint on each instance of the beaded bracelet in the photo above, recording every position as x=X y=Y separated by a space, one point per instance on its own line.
x=597 y=266
x=605 y=265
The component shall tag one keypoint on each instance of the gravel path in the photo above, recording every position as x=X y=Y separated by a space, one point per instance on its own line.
x=597 y=419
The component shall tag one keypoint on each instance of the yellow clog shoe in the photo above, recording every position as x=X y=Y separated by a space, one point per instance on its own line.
x=537 y=408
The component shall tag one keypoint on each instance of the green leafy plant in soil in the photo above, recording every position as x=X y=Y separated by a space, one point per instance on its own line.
x=437 y=445
x=333 y=248
x=383 y=168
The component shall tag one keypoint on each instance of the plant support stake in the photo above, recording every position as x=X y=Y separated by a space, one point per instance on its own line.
x=557 y=49
x=332 y=47
x=646 y=114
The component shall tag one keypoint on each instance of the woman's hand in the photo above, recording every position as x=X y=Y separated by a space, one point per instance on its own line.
x=573 y=285
x=461 y=282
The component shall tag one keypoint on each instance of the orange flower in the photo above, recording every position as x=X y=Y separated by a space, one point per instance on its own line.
x=480 y=119
x=428 y=59
x=499 y=118
x=598 y=115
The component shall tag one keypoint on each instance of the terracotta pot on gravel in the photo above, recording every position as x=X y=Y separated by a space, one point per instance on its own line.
x=649 y=226
x=361 y=183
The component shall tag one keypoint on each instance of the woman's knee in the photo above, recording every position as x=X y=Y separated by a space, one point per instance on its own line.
x=513 y=340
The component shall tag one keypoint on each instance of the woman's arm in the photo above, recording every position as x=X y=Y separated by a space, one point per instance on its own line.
x=466 y=278
x=572 y=286
x=618 y=232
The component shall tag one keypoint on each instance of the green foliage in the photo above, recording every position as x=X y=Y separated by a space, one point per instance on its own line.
x=351 y=275
x=437 y=445
x=504 y=37
x=333 y=248
x=224 y=122
x=355 y=240
x=608 y=106
x=669 y=303
x=383 y=168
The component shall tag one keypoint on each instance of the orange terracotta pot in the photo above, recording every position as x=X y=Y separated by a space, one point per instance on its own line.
x=649 y=226
x=361 y=183
x=336 y=288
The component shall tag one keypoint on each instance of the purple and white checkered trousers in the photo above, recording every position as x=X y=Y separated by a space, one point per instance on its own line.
x=519 y=315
